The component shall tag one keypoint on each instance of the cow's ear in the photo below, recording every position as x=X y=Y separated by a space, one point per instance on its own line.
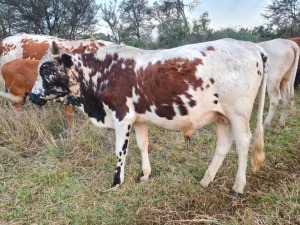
x=66 y=60
x=55 y=49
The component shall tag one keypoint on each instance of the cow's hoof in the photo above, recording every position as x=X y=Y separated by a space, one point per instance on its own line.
x=111 y=189
x=234 y=194
x=115 y=186
x=142 y=178
x=205 y=182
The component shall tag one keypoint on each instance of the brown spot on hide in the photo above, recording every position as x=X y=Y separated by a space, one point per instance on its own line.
x=6 y=48
x=113 y=87
x=192 y=103
x=94 y=46
x=203 y=53
x=170 y=79
x=33 y=49
x=212 y=80
x=79 y=50
x=210 y=48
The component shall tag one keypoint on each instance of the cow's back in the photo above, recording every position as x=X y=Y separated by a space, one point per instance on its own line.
x=281 y=58
x=25 y=46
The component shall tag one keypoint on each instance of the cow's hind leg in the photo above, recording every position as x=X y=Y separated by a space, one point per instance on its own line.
x=224 y=143
x=285 y=94
x=242 y=136
x=141 y=132
x=274 y=95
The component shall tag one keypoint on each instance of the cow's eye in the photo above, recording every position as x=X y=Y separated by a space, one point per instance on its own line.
x=45 y=70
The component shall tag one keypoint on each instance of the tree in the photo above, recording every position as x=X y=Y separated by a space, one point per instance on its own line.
x=136 y=14
x=109 y=13
x=173 y=26
x=284 y=15
x=62 y=18
x=264 y=33
x=174 y=9
x=80 y=17
x=200 y=28
x=7 y=15
x=172 y=33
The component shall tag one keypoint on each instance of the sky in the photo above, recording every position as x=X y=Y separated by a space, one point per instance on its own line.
x=225 y=13
x=233 y=13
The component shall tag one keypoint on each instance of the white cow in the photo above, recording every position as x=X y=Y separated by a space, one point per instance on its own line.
x=283 y=62
x=183 y=88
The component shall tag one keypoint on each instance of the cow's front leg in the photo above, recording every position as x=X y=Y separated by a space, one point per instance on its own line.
x=122 y=140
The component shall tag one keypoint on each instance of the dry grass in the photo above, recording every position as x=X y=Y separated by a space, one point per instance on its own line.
x=49 y=175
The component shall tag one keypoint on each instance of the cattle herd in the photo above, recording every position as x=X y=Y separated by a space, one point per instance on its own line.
x=183 y=88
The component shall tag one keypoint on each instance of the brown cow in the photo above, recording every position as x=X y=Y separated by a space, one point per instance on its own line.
x=19 y=76
x=297 y=79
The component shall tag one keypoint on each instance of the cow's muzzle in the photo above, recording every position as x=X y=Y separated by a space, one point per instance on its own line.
x=37 y=99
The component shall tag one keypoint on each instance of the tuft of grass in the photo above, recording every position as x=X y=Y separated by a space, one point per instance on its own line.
x=50 y=175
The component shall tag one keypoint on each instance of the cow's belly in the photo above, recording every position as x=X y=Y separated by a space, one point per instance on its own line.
x=193 y=121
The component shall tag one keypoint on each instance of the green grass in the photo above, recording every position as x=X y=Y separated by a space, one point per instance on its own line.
x=49 y=175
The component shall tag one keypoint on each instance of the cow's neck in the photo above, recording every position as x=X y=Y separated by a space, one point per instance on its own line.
x=108 y=81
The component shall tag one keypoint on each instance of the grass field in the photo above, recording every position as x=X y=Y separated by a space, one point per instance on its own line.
x=49 y=175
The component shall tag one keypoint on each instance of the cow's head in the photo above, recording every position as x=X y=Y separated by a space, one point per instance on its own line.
x=53 y=82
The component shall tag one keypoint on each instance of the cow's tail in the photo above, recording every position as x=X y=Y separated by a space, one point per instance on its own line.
x=258 y=152
x=294 y=68
x=10 y=97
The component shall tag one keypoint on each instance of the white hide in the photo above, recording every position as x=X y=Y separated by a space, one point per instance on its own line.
x=283 y=61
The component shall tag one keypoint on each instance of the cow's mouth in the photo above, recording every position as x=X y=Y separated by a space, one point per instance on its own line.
x=37 y=99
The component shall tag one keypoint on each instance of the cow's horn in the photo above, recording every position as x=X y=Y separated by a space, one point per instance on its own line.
x=54 y=48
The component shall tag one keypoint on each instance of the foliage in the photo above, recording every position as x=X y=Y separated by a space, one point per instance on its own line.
x=62 y=18
x=136 y=14
x=285 y=16
x=168 y=26
x=163 y=24
x=109 y=14
x=172 y=33
x=7 y=18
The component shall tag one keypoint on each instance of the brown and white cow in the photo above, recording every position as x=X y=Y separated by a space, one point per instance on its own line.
x=29 y=46
x=297 y=79
x=283 y=57
x=183 y=88
x=19 y=76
